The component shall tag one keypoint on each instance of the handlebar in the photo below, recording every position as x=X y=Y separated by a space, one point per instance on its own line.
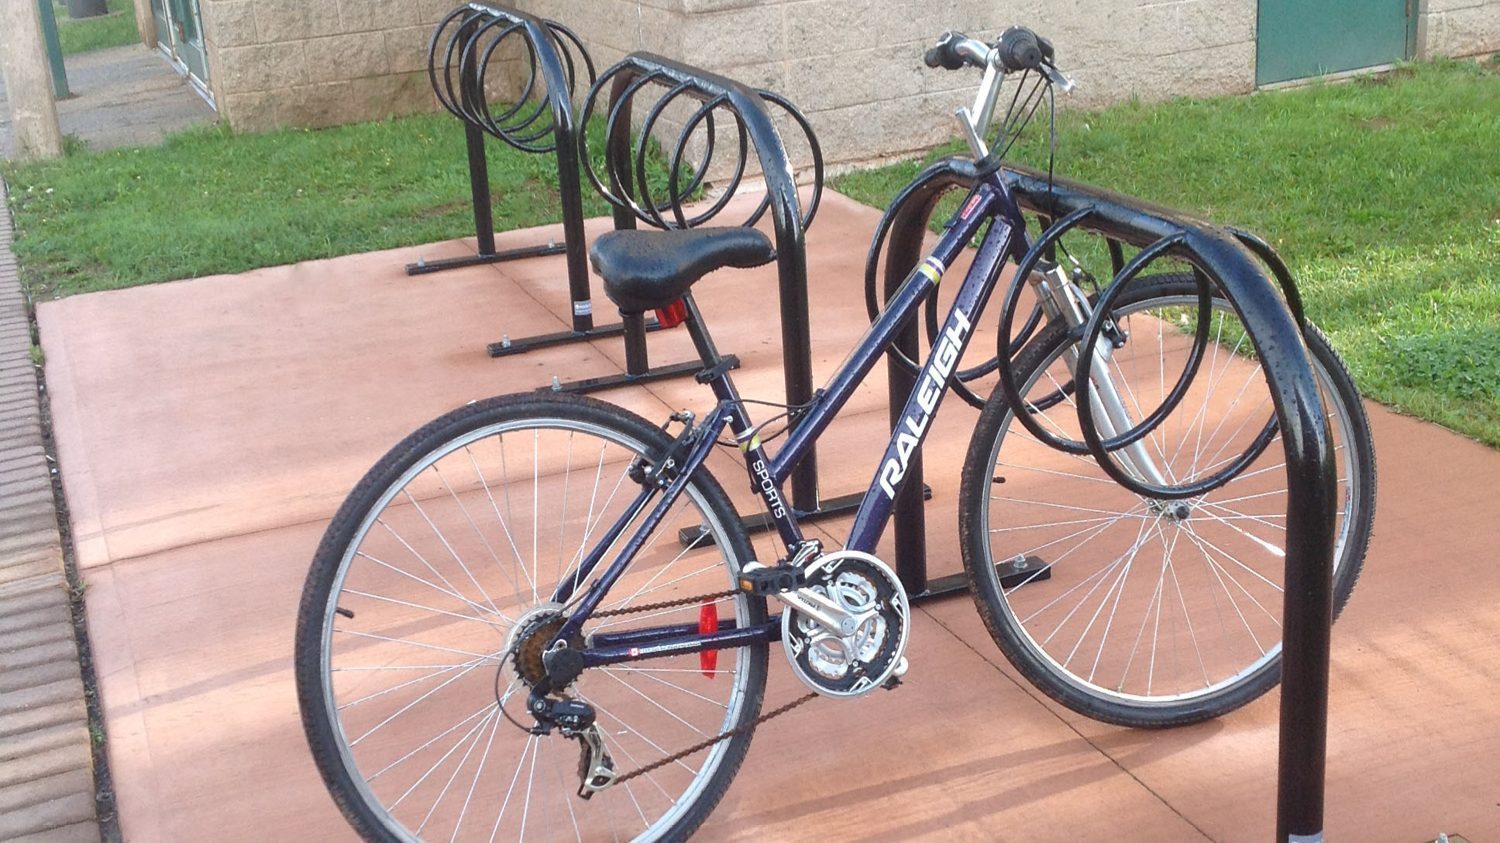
x=1020 y=49
x=1017 y=50
x=954 y=50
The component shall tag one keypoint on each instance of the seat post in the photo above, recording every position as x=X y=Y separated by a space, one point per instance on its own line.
x=634 y=325
x=699 y=332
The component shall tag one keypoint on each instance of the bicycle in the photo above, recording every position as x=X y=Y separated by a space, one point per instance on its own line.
x=594 y=604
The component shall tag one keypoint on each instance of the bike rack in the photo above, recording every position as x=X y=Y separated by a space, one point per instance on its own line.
x=464 y=47
x=1268 y=304
x=629 y=193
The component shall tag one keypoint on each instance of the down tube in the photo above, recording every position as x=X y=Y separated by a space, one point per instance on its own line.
x=901 y=308
x=1003 y=241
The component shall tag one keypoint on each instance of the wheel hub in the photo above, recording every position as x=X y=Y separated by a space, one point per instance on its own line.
x=1174 y=511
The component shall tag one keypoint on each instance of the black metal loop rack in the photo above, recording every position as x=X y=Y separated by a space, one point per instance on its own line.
x=472 y=50
x=629 y=192
x=1246 y=271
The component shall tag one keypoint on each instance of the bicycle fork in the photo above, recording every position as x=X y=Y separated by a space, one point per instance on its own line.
x=1061 y=299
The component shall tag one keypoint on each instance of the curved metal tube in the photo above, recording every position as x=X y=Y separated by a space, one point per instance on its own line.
x=789 y=217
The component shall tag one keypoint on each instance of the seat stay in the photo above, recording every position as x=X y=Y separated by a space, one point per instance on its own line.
x=707 y=435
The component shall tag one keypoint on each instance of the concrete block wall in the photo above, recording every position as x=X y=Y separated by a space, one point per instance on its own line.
x=1458 y=28
x=318 y=62
x=854 y=66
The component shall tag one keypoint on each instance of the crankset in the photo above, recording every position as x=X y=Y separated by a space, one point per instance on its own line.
x=845 y=630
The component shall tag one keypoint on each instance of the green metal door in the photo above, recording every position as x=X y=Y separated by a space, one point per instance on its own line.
x=1296 y=39
x=163 y=24
x=189 y=38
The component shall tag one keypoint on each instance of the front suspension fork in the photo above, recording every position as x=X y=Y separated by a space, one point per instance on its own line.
x=1063 y=301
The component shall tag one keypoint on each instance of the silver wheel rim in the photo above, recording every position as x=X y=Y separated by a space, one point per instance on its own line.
x=648 y=828
x=1063 y=665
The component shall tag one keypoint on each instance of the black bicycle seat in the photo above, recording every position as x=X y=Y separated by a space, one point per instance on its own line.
x=645 y=270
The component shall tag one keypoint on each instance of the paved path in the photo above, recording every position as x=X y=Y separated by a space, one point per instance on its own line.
x=46 y=767
x=123 y=96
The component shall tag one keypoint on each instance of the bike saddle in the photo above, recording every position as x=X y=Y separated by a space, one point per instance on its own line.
x=646 y=270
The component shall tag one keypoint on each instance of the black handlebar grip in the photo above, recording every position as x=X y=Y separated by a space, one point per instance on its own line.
x=1019 y=49
x=942 y=54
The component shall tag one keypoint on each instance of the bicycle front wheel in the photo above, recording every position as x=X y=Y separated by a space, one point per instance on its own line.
x=1145 y=612
x=412 y=659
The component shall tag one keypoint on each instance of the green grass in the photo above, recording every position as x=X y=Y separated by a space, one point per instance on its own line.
x=115 y=29
x=1383 y=195
x=210 y=201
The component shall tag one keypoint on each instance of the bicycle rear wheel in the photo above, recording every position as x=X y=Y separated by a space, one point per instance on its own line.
x=1142 y=612
x=435 y=573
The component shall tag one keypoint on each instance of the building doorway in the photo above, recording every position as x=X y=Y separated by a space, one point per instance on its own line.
x=1296 y=39
x=179 y=34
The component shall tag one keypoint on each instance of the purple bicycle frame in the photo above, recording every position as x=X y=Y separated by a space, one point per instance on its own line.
x=990 y=201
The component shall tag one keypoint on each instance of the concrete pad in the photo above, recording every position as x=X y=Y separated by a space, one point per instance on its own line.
x=193 y=652
x=191 y=411
x=959 y=752
x=194 y=649
x=197 y=512
x=1412 y=746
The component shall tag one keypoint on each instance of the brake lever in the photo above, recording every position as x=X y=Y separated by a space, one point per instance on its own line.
x=1058 y=79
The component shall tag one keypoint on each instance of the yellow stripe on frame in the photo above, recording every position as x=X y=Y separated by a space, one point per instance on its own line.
x=933 y=269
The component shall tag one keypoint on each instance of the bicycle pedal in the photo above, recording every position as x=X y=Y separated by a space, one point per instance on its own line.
x=895 y=681
x=764 y=581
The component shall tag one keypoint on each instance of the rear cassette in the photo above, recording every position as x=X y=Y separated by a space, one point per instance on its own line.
x=874 y=654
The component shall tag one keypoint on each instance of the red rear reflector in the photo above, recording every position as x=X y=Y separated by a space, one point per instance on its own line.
x=672 y=315
x=708 y=621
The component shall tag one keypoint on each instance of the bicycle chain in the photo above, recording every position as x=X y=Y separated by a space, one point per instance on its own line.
x=722 y=736
x=705 y=744
x=667 y=604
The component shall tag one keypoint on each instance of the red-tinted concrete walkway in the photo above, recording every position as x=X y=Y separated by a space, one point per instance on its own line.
x=207 y=429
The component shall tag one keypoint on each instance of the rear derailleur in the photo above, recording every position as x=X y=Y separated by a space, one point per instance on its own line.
x=548 y=668
x=575 y=719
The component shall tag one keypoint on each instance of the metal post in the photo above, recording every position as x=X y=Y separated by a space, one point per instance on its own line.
x=479 y=190
x=54 y=49
x=909 y=518
x=796 y=334
x=571 y=191
x=1274 y=326
x=909 y=214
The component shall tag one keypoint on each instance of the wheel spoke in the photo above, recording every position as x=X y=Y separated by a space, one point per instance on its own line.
x=436 y=597
x=1117 y=636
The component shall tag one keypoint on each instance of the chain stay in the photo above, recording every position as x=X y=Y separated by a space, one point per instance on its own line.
x=722 y=736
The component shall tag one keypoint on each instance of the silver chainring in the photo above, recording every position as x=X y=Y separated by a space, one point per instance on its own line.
x=852 y=665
